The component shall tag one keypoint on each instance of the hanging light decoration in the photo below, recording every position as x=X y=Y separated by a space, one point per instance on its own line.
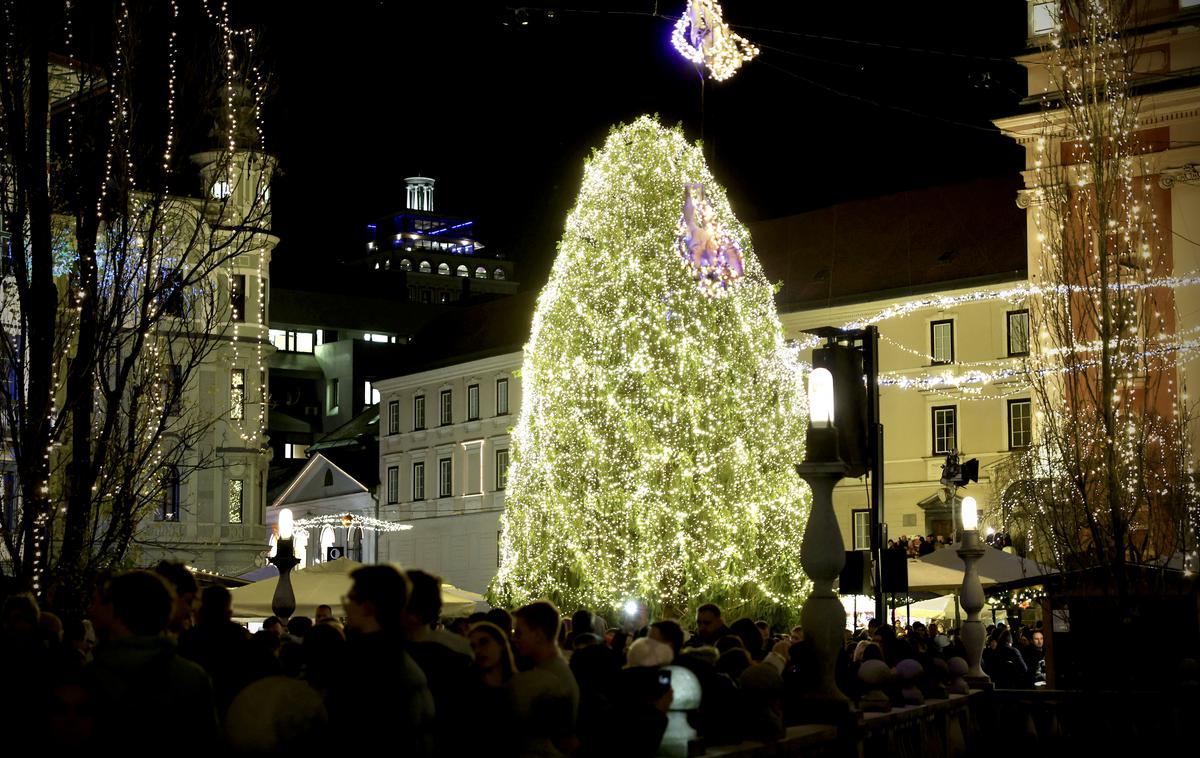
x=703 y=37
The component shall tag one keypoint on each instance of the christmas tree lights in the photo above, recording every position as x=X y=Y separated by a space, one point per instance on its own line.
x=653 y=458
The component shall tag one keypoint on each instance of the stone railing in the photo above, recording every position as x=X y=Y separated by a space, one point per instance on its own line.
x=938 y=729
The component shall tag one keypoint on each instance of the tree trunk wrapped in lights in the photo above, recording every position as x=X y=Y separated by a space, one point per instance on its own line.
x=653 y=458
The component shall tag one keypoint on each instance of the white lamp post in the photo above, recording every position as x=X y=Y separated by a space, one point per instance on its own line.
x=283 y=603
x=971 y=594
x=822 y=552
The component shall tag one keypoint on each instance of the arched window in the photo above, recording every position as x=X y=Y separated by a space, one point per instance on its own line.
x=481 y=273
x=327 y=541
x=356 y=543
x=498 y=273
x=426 y=268
x=328 y=477
x=300 y=548
x=405 y=264
x=444 y=269
x=463 y=271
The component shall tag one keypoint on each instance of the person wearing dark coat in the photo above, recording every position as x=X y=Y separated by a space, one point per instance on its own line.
x=1007 y=668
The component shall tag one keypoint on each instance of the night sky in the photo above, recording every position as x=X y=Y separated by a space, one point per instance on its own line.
x=847 y=100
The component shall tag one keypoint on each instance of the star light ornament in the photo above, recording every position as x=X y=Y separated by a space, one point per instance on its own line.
x=703 y=37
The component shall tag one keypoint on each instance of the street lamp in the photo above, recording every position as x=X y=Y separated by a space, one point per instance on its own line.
x=971 y=594
x=283 y=603
x=822 y=552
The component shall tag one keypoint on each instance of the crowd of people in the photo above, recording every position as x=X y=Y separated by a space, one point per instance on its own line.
x=144 y=671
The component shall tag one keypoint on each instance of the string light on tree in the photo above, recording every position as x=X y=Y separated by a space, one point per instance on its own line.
x=702 y=36
x=661 y=414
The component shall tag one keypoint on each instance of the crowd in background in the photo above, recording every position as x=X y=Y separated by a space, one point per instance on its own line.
x=157 y=663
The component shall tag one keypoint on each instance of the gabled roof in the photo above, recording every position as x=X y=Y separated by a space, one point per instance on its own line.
x=971 y=233
x=309 y=484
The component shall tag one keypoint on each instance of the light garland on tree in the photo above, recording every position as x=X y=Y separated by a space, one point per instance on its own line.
x=355 y=521
x=702 y=36
x=653 y=456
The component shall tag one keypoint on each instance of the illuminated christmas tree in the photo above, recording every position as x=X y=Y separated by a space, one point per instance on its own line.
x=661 y=420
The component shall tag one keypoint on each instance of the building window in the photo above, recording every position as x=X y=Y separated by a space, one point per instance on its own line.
x=237 y=298
x=377 y=337
x=168 y=506
x=945 y=429
x=425 y=267
x=444 y=269
x=463 y=271
x=328 y=480
x=235 y=501
x=394 y=417
x=1018 y=332
x=941 y=341
x=473 y=402
x=1020 y=423
x=501 y=397
x=237 y=394
x=333 y=391
x=447 y=416
x=498 y=274
x=445 y=477
x=862 y=529
x=418 y=413
x=291 y=340
x=405 y=264
x=1042 y=18
x=173 y=389
x=370 y=394
x=501 y=469
x=393 y=484
x=292 y=451
x=481 y=273
x=419 y=481
x=9 y=493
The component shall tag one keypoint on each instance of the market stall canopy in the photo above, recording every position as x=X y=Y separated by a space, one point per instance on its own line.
x=325 y=584
x=943 y=570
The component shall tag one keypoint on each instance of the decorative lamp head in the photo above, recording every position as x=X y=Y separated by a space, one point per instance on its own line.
x=820 y=398
x=285 y=524
x=347 y=520
x=970 y=514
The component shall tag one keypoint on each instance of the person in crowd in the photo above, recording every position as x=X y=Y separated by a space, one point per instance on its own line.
x=137 y=670
x=324 y=613
x=459 y=626
x=644 y=696
x=186 y=591
x=669 y=632
x=218 y=645
x=298 y=627
x=747 y=631
x=324 y=651
x=797 y=634
x=502 y=619
x=546 y=696
x=79 y=641
x=710 y=627
x=272 y=625
x=396 y=693
x=487 y=696
x=445 y=658
x=1006 y=667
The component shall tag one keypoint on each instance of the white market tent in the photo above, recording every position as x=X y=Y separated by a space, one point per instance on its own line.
x=326 y=584
x=942 y=570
